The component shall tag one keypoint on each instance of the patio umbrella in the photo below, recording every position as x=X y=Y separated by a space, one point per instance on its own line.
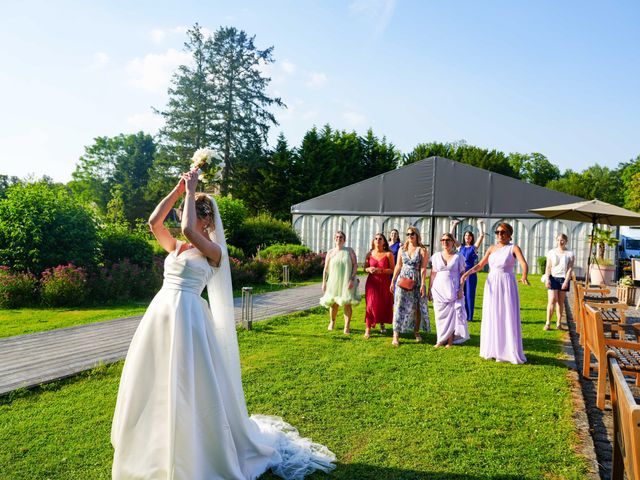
x=593 y=211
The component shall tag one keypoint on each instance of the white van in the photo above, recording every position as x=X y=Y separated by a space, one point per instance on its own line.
x=629 y=246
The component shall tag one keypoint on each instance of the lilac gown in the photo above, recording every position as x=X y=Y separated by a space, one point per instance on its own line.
x=501 y=331
x=451 y=317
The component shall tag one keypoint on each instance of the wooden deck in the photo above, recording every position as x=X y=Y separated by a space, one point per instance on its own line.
x=30 y=360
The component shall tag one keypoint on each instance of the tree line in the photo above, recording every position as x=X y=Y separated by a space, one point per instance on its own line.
x=220 y=100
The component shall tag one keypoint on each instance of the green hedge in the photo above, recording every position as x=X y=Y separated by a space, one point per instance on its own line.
x=279 y=250
x=263 y=231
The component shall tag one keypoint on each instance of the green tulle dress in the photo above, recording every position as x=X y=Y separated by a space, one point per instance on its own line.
x=340 y=269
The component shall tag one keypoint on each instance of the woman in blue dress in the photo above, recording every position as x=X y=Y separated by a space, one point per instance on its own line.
x=394 y=244
x=469 y=250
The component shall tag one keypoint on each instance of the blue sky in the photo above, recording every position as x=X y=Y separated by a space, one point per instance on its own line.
x=559 y=78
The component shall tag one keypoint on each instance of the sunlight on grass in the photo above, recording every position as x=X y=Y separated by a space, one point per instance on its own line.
x=407 y=413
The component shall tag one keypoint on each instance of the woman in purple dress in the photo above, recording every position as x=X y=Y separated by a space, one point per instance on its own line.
x=446 y=294
x=470 y=253
x=501 y=331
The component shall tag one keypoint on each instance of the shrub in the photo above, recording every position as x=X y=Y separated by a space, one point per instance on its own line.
x=246 y=274
x=118 y=243
x=42 y=225
x=63 y=286
x=233 y=213
x=124 y=281
x=235 y=252
x=278 y=250
x=17 y=289
x=542 y=264
x=301 y=267
x=263 y=231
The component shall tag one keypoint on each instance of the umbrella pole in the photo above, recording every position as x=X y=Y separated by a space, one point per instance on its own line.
x=586 y=276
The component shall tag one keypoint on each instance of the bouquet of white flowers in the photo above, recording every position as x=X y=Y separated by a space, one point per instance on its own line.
x=208 y=162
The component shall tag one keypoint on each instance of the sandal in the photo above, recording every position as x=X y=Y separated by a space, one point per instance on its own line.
x=366 y=335
x=546 y=326
x=418 y=338
x=558 y=326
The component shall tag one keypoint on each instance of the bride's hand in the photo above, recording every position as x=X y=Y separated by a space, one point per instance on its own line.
x=180 y=187
x=191 y=181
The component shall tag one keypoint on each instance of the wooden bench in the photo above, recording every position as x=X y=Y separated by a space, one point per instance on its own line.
x=597 y=344
x=626 y=425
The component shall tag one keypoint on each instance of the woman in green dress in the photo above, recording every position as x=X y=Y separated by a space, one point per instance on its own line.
x=339 y=282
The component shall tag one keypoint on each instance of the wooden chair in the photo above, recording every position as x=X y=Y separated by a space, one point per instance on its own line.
x=595 y=343
x=583 y=294
x=626 y=425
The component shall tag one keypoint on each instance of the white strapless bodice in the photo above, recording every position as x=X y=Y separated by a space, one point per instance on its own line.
x=188 y=271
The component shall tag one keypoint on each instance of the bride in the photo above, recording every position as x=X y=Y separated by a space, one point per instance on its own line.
x=181 y=412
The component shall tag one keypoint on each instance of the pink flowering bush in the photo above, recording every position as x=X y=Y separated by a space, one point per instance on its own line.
x=301 y=267
x=63 y=286
x=124 y=280
x=247 y=273
x=17 y=289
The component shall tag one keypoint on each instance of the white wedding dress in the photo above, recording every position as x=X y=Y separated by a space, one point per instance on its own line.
x=181 y=412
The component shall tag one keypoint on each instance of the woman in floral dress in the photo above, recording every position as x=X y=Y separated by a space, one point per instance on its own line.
x=410 y=310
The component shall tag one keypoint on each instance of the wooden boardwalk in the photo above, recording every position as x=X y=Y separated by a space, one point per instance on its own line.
x=30 y=360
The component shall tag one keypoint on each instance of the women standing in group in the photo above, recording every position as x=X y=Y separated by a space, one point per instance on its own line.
x=410 y=310
x=469 y=250
x=339 y=283
x=558 y=272
x=379 y=265
x=394 y=243
x=501 y=331
x=445 y=292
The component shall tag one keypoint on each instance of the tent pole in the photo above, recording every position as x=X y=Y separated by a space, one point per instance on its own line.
x=432 y=234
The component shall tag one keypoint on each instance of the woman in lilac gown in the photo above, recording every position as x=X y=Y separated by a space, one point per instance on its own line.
x=446 y=294
x=501 y=331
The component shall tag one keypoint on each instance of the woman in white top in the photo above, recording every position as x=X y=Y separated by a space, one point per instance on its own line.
x=558 y=273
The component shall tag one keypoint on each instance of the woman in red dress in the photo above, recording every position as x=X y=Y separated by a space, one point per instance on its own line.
x=379 y=265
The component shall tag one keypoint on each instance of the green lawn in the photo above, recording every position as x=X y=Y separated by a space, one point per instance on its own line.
x=21 y=321
x=413 y=412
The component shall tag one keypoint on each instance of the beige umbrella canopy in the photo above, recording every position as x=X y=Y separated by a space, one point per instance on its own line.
x=593 y=211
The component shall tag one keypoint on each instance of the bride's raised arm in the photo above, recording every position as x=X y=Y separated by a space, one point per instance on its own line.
x=193 y=227
x=156 y=219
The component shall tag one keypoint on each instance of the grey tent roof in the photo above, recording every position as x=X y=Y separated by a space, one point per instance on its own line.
x=438 y=187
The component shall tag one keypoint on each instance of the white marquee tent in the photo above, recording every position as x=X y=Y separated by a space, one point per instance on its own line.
x=429 y=194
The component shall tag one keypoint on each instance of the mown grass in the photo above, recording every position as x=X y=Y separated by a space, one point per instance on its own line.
x=414 y=412
x=21 y=321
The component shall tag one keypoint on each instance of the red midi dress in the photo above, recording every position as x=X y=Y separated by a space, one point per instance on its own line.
x=378 y=297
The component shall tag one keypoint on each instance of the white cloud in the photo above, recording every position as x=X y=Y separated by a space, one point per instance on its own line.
x=100 y=60
x=288 y=67
x=148 y=122
x=354 y=119
x=379 y=12
x=158 y=35
x=153 y=72
x=316 y=80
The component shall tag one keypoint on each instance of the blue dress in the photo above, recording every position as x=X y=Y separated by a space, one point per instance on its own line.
x=394 y=249
x=470 y=259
